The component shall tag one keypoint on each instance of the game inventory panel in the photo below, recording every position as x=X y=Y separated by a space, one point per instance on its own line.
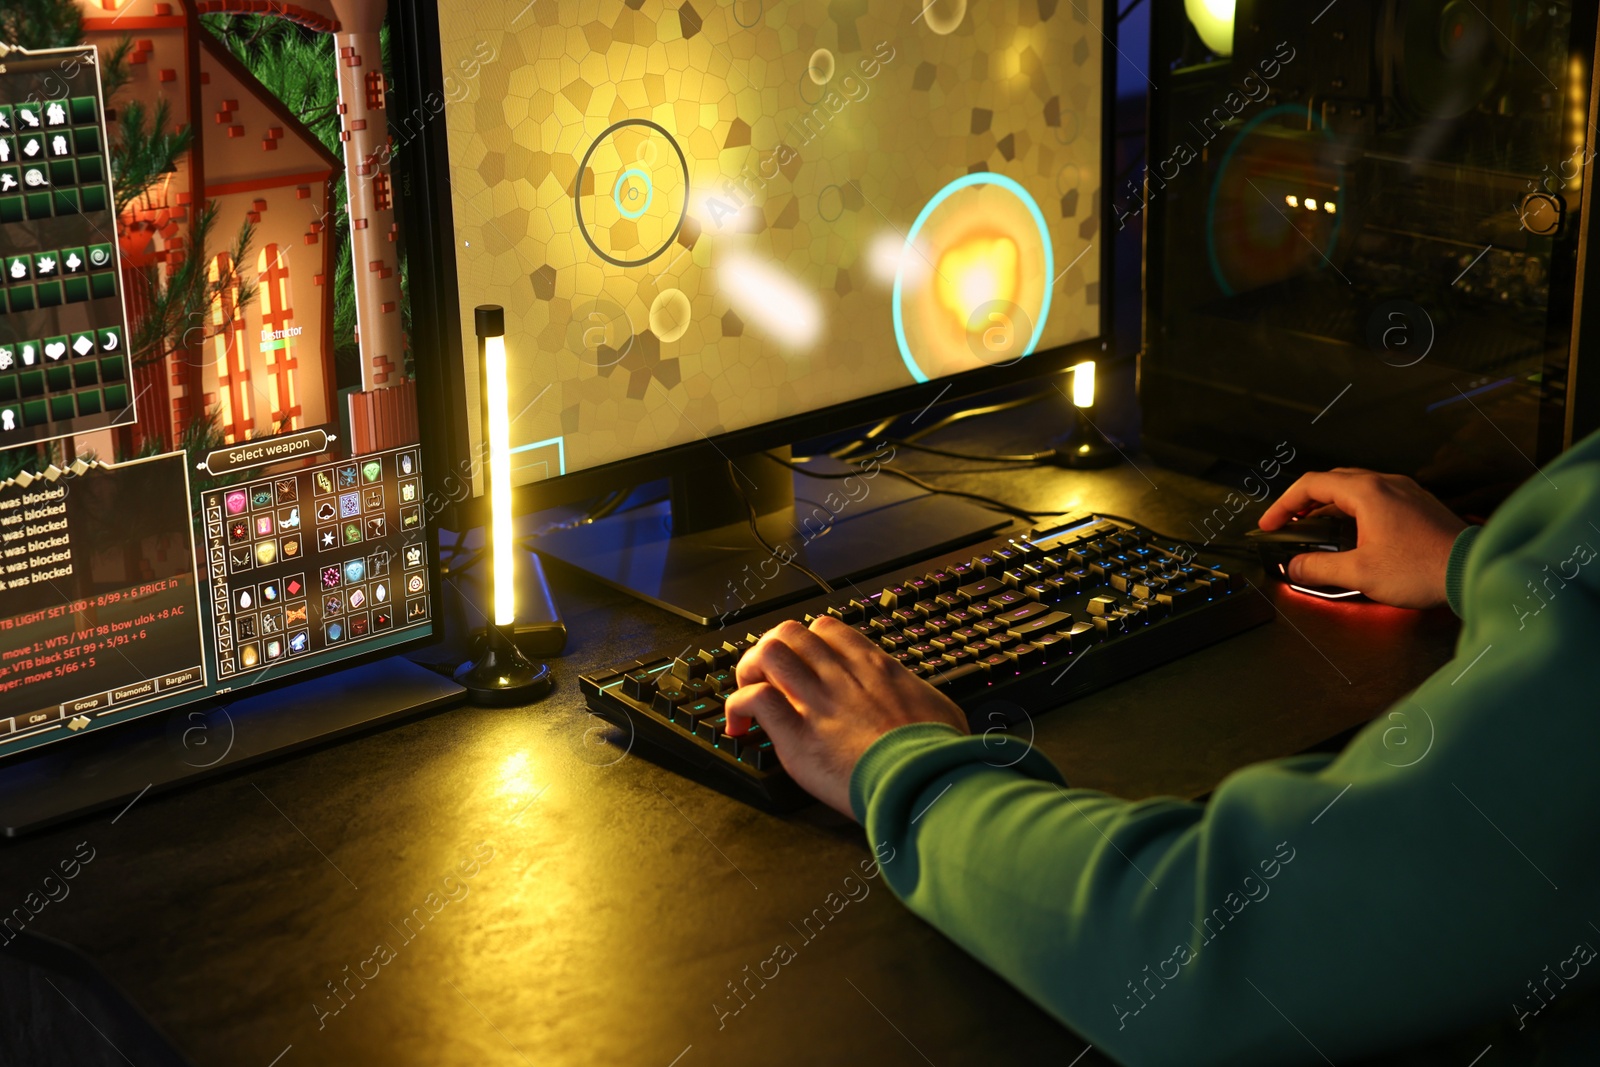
x=314 y=560
x=64 y=365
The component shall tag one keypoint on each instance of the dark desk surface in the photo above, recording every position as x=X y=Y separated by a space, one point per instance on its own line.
x=620 y=899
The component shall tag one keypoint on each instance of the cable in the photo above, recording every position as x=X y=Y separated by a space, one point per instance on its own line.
x=843 y=451
x=1033 y=458
x=750 y=511
x=989 y=501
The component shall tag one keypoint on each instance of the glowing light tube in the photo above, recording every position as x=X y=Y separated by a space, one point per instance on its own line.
x=1083 y=384
x=495 y=389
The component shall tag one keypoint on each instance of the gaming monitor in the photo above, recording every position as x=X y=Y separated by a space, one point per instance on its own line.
x=718 y=228
x=208 y=482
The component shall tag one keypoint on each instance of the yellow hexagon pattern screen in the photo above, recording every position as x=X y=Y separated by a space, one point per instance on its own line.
x=701 y=216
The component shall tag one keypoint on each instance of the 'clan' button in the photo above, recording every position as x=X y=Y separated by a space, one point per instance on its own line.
x=37 y=718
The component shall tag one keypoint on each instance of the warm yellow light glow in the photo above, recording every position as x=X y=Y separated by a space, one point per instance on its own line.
x=975 y=273
x=1292 y=200
x=1311 y=205
x=1083 y=384
x=499 y=432
x=1213 y=21
x=1327 y=205
x=516 y=777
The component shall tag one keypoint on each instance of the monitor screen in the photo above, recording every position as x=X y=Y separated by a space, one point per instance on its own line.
x=701 y=218
x=209 y=479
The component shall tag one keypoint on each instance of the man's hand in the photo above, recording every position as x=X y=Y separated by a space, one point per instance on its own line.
x=1403 y=535
x=824 y=695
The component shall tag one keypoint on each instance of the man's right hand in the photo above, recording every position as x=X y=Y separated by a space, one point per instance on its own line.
x=1403 y=535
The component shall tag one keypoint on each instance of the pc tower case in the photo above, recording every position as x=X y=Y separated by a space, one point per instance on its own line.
x=1363 y=231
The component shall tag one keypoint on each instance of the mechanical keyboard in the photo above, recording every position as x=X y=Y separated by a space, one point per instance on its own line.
x=1010 y=627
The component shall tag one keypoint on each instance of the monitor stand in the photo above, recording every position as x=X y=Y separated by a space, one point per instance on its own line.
x=112 y=768
x=695 y=555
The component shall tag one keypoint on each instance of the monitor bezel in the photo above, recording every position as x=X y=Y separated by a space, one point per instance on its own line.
x=424 y=203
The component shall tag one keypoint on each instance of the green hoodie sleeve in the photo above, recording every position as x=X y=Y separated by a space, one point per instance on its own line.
x=1439 y=873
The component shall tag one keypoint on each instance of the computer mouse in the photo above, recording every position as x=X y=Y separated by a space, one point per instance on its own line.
x=1320 y=533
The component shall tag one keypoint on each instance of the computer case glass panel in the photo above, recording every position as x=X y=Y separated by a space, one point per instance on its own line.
x=1361 y=234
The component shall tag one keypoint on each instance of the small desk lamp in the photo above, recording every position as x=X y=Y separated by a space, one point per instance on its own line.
x=1084 y=446
x=501 y=674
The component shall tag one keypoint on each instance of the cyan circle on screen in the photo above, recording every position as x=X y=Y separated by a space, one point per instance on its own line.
x=649 y=192
x=982 y=178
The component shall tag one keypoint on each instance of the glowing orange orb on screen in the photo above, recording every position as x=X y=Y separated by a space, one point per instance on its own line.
x=974 y=273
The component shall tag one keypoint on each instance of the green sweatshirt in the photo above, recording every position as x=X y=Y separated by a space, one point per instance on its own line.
x=1441 y=873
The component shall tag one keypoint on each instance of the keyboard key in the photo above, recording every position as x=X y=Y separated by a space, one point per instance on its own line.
x=957 y=656
x=1055 y=620
x=690 y=667
x=639 y=684
x=722 y=681
x=850 y=612
x=892 y=596
x=667 y=700
x=1102 y=605
x=1025 y=655
x=1026 y=611
x=1048 y=591
x=763 y=755
x=1181 y=595
x=997 y=663
x=1080 y=635
x=1149 y=587
x=1231 y=582
x=981 y=590
x=691 y=713
x=1008 y=599
x=1111 y=625
x=943 y=580
x=923 y=651
x=718 y=657
x=750 y=739
x=927 y=609
x=894 y=642
x=711 y=727
x=698 y=688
